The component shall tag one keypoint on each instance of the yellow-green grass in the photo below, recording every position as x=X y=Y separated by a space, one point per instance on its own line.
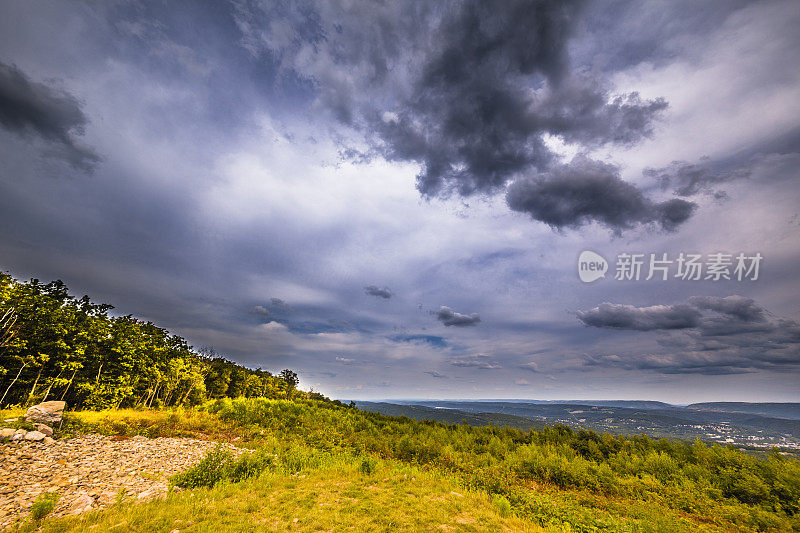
x=333 y=478
x=336 y=496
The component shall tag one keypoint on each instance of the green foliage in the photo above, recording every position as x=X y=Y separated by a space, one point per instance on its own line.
x=367 y=466
x=44 y=505
x=220 y=465
x=58 y=347
x=502 y=504
x=719 y=483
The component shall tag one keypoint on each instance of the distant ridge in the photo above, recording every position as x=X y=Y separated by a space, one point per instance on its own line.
x=779 y=410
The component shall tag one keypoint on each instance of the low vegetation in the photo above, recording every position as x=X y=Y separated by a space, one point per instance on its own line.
x=420 y=475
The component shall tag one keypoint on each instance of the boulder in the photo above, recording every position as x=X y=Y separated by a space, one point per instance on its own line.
x=82 y=503
x=48 y=440
x=17 y=436
x=46 y=412
x=6 y=433
x=34 y=436
x=44 y=428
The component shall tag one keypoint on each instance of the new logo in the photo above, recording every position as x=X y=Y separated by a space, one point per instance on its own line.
x=591 y=266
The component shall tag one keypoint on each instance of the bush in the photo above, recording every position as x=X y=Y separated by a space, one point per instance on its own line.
x=502 y=504
x=368 y=465
x=44 y=505
x=206 y=473
x=219 y=465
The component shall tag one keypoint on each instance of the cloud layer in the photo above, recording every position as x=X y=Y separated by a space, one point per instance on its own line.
x=720 y=335
x=31 y=108
x=469 y=92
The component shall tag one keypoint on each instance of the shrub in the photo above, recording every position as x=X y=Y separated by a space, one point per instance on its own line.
x=502 y=504
x=368 y=465
x=206 y=473
x=43 y=505
x=219 y=465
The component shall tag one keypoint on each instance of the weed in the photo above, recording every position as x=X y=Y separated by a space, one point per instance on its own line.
x=43 y=505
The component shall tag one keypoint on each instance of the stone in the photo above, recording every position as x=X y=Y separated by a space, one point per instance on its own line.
x=6 y=433
x=102 y=468
x=17 y=436
x=34 y=436
x=44 y=428
x=46 y=412
x=82 y=503
x=49 y=440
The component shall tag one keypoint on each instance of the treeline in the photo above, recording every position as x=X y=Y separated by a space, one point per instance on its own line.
x=54 y=346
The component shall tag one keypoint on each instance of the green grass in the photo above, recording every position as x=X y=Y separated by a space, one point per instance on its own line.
x=332 y=495
x=333 y=468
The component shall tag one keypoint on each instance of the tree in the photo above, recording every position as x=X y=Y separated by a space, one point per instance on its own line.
x=290 y=378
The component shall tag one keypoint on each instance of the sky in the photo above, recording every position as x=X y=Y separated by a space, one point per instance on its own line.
x=392 y=198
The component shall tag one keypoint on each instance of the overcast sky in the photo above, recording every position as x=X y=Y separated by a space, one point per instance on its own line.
x=391 y=199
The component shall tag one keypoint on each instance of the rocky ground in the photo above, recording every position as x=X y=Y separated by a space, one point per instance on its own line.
x=91 y=471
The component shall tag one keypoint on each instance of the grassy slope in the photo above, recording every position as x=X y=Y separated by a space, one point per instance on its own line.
x=329 y=493
x=333 y=497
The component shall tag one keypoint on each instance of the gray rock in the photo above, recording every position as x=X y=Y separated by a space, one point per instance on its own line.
x=17 y=436
x=44 y=428
x=35 y=436
x=48 y=440
x=6 y=433
x=46 y=412
x=21 y=431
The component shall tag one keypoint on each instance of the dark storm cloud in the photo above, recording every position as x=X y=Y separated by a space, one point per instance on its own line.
x=469 y=90
x=620 y=316
x=687 y=179
x=735 y=335
x=379 y=292
x=585 y=191
x=448 y=317
x=29 y=107
x=495 y=80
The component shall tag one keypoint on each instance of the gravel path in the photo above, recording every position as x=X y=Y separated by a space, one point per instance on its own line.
x=89 y=471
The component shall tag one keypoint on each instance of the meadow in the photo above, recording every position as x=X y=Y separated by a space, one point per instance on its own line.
x=316 y=465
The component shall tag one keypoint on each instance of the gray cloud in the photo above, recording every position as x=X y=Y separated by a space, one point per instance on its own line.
x=28 y=107
x=532 y=366
x=472 y=120
x=479 y=361
x=621 y=316
x=448 y=317
x=435 y=374
x=744 y=309
x=260 y=310
x=279 y=304
x=737 y=336
x=585 y=191
x=687 y=179
x=469 y=91
x=379 y=292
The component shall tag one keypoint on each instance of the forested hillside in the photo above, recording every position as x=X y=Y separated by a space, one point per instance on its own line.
x=59 y=347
